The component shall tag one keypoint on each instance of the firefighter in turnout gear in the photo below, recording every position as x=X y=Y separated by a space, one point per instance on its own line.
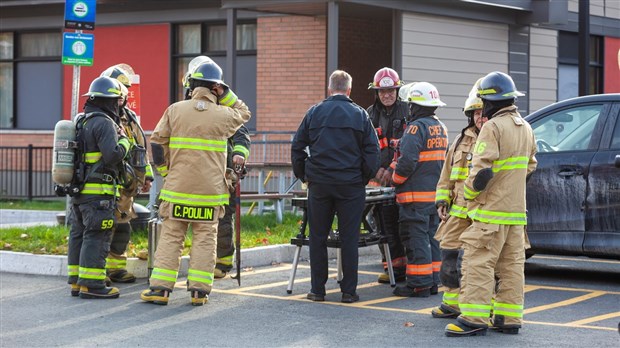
x=140 y=179
x=503 y=156
x=189 y=150
x=102 y=146
x=451 y=206
x=388 y=115
x=421 y=156
x=238 y=152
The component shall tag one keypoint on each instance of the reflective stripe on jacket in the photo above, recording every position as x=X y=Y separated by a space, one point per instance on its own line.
x=422 y=154
x=101 y=144
x=506 y=144
x=193 y=134
x=454 y=173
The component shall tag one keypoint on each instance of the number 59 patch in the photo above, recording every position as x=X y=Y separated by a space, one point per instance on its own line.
x=107 y=224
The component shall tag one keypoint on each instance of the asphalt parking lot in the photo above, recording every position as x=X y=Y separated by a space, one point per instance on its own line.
x=570 y=302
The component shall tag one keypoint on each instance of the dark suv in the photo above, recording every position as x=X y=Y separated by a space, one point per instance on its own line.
x=573 y=197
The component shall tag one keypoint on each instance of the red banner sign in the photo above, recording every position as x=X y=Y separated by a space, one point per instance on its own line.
x=133 y=99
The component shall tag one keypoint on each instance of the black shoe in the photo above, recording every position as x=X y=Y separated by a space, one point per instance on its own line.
x=497 y=324
x=434 y=289
x=459 y=329
x=90 y=293
x=406 y=291
x=349 y=298
x=315 y=297
x=159 y=297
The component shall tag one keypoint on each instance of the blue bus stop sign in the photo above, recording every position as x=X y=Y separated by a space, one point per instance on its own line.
x=80 y=14
x=78 y=49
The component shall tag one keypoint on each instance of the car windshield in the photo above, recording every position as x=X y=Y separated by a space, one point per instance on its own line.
x=566 y=130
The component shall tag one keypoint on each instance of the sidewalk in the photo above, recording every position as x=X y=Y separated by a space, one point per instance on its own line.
x=26 y=263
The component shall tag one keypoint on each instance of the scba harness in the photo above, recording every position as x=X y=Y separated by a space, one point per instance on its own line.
x=83 y=170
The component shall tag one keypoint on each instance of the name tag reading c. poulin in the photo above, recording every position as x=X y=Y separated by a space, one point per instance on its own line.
x=192 y=213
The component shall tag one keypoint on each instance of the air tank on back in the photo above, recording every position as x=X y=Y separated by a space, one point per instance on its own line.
x=63 y=164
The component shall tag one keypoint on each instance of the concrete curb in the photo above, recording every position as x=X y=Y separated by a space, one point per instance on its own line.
x=56 y=265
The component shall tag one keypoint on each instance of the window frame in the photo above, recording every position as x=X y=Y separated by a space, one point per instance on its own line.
x=177 y=89
x=595 y=62
x=18 y=58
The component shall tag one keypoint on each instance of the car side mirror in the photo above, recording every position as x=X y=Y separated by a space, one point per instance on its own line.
x=617 y=162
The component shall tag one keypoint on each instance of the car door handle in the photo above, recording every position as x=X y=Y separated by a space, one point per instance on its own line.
x=570 y=172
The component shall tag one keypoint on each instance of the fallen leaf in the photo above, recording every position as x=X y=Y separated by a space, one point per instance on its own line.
x=8 y=246
x=142 y=254
x=24 y=236
x=267 y=229
x=409 y=324
x=265 y=241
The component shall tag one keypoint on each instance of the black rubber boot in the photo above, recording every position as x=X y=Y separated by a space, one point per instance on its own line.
x=445 y=311
x=100 y=293
x=199 y=298
x=406 y=291
x=121 y=276
x=460 y=329
x=159 y=297
x=75 y=290
x=497 y=324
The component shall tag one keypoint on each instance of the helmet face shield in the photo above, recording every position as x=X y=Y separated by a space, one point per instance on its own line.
x=191 y=68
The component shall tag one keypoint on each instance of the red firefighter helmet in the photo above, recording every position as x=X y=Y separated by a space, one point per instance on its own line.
x=385 y=78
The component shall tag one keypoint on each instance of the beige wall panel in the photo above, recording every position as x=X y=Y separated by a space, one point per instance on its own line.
x=543 y=67
x=612 y=9
x=452 y=54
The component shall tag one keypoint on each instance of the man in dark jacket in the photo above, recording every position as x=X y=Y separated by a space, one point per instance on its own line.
x=102 y=148
x=343 y=155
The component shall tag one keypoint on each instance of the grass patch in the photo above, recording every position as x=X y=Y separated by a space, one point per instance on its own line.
x=51 y=204
x=56 y=204
x=256 y=230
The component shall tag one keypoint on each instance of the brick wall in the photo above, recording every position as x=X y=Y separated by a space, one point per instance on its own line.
x=25 y=138
x=364 y=48
x=291 y=76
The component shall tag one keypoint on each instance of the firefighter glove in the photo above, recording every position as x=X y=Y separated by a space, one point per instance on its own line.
x=231 y=179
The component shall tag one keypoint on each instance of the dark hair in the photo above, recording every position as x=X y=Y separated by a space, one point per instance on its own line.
x=471 y=123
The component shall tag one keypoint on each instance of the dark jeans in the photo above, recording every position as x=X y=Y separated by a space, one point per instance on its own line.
x=324 y=201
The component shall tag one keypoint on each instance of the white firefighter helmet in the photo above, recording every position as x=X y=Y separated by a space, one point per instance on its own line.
x=424 y=94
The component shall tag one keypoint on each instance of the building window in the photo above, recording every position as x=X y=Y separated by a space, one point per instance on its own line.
x=568 y=65
x=30 y=68
x=6 y=80
x=208 y=39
